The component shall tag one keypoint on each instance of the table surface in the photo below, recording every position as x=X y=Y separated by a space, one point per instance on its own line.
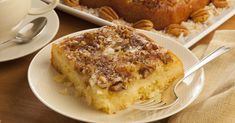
x=17 y=102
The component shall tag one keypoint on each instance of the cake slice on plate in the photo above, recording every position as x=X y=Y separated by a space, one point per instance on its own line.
x=115 y=66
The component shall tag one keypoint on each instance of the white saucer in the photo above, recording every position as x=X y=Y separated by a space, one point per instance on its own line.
x=41 y=73
x=14 y=51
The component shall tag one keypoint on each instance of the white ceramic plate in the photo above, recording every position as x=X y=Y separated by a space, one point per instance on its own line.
x=191 y=40
x=13 y=51
x=41 y=73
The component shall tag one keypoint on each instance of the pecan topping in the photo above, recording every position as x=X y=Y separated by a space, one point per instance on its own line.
x=220 y=3
x=177 y=30
x=200 y=16
x=119 y=86
x=114 y=56
x=102 y=82
x=150 y=47
x=164 y=57
x=71 y=3
x=143 y=24
x=108 y=13
x=124 y=31
x=145 y=71
x=156 y=3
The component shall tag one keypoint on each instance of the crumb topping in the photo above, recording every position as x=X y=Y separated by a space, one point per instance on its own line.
x=114 y=56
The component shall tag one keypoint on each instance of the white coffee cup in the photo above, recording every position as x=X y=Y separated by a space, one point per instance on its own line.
x=12 y=13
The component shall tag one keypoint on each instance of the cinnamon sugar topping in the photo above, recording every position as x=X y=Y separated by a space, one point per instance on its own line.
x=114 y=56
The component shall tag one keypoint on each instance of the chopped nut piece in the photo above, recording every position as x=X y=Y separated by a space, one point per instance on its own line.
x=108 y=13
x=102 y=83
x=145 y=71
x=165 y=58
x=200 y=16
x=71 y=3
x=220 y=3
x=124 y=31
x=103 y=79
x=177 y=30
x=124 y=70
x=149 y=46
x=119 y=86
x=143 y=24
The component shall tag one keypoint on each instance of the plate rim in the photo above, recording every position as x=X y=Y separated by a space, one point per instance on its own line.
x=202 y=81
x=57 y=21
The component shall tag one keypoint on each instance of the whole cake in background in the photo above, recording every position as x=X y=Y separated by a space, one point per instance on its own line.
x=161 y=12
x=115 y=66
x=170 y=17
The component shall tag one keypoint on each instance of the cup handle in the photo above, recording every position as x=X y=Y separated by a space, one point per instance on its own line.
x=37 y=11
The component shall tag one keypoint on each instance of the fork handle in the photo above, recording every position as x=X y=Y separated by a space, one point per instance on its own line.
x=219 y=51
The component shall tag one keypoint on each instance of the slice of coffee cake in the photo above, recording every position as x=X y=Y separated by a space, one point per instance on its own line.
x=114 y=66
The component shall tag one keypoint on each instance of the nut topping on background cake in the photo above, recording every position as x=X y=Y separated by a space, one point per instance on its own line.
x=220 y=3
x=156 y=3
x=143 y=24
x=71 y=3
x=108 y=13
x=200 y=16
x=177 y=30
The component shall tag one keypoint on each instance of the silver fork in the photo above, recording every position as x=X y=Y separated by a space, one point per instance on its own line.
x=152 y=104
